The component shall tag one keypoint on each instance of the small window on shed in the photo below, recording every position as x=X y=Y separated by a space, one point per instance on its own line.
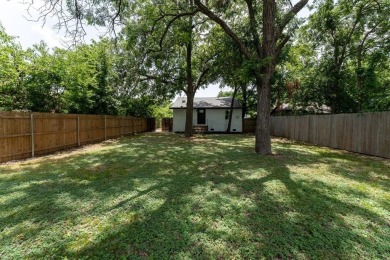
x=226 y=114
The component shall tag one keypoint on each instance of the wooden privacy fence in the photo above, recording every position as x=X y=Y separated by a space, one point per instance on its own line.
x=249 y=125
x=366 y=133
x=167 y=124
x=24 y=134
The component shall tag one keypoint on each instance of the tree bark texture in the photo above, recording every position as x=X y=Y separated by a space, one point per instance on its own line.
x=360 y=78
x=188 y=132
x=244 y=100
x=263 y=82
x=231 y=110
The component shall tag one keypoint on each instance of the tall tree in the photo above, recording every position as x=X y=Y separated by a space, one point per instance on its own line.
x=44 y=81
x=13 y=66
x=340 y=31
x=263 y=52
x=174 y=55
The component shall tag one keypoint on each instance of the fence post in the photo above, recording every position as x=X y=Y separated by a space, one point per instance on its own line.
x=32 y=134
x=132 y=125
x=105 y=127
x=121 y=125
x=78 y=130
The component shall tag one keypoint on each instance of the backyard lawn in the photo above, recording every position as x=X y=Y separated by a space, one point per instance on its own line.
x=160 y=195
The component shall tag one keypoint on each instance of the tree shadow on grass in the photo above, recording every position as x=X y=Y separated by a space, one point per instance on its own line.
x=348 y=164
x=163 y=196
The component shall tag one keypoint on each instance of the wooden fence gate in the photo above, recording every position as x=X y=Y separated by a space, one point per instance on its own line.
x=167 y=124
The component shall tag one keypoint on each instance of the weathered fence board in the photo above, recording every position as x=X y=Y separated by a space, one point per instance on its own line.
x=249 y=125
x=366 y=133
x=24 y=134
x=167 y=124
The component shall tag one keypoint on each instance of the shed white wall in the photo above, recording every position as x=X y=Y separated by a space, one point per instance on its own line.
x=215 y=119
x=179 y=120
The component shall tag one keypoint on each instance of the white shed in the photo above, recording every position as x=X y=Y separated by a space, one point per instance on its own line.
x=209 y=113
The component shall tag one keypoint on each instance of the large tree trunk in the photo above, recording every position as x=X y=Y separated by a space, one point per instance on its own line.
x=263 y=81
x=188 y=132
x=263 y=136
x=360 y=78
x=335 y=93
x=244 y=100
x=231 y=110
x=335 y=78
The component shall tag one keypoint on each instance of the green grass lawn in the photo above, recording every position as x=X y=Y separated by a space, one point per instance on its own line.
x=163 y=196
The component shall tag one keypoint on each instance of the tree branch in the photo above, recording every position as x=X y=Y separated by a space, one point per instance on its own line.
x=200 y=78
x=225 y=27
x=289 y=16
x=349 y=37
x=175 y=17
x=153 y=77
x=280 y=46
x=253 y=26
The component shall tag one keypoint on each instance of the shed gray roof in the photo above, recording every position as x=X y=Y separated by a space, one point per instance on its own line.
x=207 y=102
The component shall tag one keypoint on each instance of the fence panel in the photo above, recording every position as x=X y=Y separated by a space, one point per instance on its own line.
x=366 y=133
x=167 y=124
x=53 y=132
x=25 y=134
x=249 y=125
x=15 y=138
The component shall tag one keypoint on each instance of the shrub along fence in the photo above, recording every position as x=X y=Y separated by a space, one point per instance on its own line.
x=24 y=134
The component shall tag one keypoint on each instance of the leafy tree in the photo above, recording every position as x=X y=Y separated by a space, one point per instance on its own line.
x=162 y=111
x=105 y=100
x=344 y=32
x=79 y=80
x=43 y=79
x=13 y=94
x=172 y=46
x=89 y=79
x=174 y=55
x=261 y=52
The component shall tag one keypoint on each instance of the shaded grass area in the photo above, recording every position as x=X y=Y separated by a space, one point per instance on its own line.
x=163 y=196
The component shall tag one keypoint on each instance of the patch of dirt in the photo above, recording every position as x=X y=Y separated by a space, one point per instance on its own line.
x=62 y=154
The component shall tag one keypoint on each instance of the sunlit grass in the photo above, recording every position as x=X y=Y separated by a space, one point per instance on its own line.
x=165 y=196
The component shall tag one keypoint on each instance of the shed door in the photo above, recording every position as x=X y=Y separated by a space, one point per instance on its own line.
x=201 y=116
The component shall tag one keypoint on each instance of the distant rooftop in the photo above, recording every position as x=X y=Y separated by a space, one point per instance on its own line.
x=207 y=102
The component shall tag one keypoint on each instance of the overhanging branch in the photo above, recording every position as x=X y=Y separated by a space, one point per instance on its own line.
x=205 y=10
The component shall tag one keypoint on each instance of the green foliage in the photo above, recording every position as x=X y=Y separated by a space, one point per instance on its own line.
x=339 y=58
x=157 y=39
x=43 y=81
x=139 y=107
x=162 y=111
x=13 y=95
x=87 y=79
